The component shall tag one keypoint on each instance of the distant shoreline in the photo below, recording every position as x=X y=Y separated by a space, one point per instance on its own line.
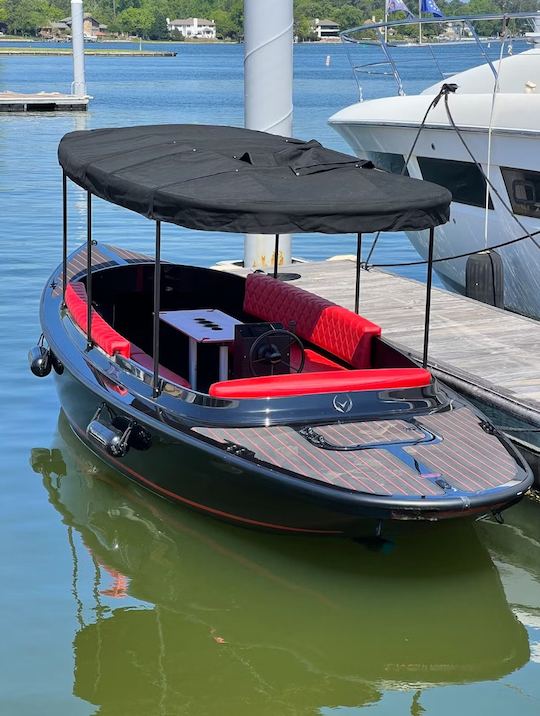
x=137 y=41
x=134 y=41
x=90 y=52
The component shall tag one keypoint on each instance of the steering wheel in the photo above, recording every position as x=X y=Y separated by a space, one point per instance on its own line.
x=264 y=351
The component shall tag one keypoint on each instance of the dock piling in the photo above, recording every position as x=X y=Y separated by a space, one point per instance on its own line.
x=78 y=86
x=268 y=82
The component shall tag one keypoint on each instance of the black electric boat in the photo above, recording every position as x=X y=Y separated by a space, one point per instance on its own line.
x=249 y=398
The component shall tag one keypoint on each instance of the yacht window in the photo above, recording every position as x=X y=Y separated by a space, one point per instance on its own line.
x=388 y=162
x=523 y=187
x=463 y=179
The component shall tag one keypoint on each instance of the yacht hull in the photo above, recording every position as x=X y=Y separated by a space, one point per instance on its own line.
x=384 y=130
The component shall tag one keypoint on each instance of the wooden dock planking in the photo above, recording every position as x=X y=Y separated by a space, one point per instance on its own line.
x=496 y=349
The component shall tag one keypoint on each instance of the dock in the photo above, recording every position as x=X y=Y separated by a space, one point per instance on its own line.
x=43 y=102
x=487 y=354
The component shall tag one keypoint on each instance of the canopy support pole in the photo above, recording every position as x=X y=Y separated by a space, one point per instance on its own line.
x=64 y=238
x=358 y=269
x=89 y=342
x=276 y=256
x=428 y=296
x=157 y=300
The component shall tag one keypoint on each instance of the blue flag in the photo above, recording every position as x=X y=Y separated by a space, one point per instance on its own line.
x=430 y=6
x=397 y=6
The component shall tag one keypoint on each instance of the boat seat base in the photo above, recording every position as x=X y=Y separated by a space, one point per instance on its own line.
x=146 y=361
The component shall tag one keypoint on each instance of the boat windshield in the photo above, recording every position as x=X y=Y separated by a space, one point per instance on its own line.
x=411 y=55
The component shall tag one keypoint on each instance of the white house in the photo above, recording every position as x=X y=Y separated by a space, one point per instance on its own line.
x=193 y=27
x=326 y=29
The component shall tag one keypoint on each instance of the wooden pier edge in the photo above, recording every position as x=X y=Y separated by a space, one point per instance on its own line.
x=43 y=102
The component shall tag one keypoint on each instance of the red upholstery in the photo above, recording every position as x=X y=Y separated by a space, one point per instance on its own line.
x=314 y=362
x=103 y=335
x=323 y=323
x=107 y=338
x=328 y=382
x=142 y=358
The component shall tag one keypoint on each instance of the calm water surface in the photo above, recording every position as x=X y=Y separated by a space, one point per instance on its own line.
x=114 y=602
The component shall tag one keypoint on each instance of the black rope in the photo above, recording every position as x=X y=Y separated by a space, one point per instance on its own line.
x=432 y=104
x=457 y=256
x=488 y=181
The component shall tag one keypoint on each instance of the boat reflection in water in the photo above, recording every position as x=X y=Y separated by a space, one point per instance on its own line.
x=203 y=617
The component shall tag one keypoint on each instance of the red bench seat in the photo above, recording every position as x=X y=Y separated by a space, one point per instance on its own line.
x=103 y=335
x=276 y=386
x=335 y=329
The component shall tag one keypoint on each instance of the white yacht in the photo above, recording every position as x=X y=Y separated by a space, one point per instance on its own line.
x=490 y=163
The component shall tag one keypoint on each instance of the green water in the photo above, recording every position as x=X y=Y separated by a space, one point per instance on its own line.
x=156 y=610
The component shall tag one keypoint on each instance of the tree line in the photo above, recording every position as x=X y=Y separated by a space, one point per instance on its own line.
x=148 y=18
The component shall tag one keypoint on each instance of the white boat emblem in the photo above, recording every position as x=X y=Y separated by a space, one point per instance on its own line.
x=342 y=403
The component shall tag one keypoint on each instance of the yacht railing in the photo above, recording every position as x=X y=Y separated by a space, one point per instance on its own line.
x=413 y=51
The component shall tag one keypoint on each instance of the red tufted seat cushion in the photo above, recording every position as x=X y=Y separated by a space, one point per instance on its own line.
x=275 y=386
x=325 y=324
x=103 y=335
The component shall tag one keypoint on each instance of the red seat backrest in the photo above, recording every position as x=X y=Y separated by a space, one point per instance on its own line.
x=333 y=328
x=103 y=335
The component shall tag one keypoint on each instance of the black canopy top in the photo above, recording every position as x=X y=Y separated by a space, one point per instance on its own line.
x=230 y=179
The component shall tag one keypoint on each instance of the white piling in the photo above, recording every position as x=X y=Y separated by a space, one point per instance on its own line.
x=268 y=84
x=78 y=86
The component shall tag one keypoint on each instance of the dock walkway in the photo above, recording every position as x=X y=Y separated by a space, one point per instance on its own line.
x=42 y=102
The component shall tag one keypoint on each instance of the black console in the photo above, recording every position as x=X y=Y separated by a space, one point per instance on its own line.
x=271 y=356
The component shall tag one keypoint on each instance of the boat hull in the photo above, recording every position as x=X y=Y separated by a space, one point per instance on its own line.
x=258 y=464
x=230 y=488
x=197 y=478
